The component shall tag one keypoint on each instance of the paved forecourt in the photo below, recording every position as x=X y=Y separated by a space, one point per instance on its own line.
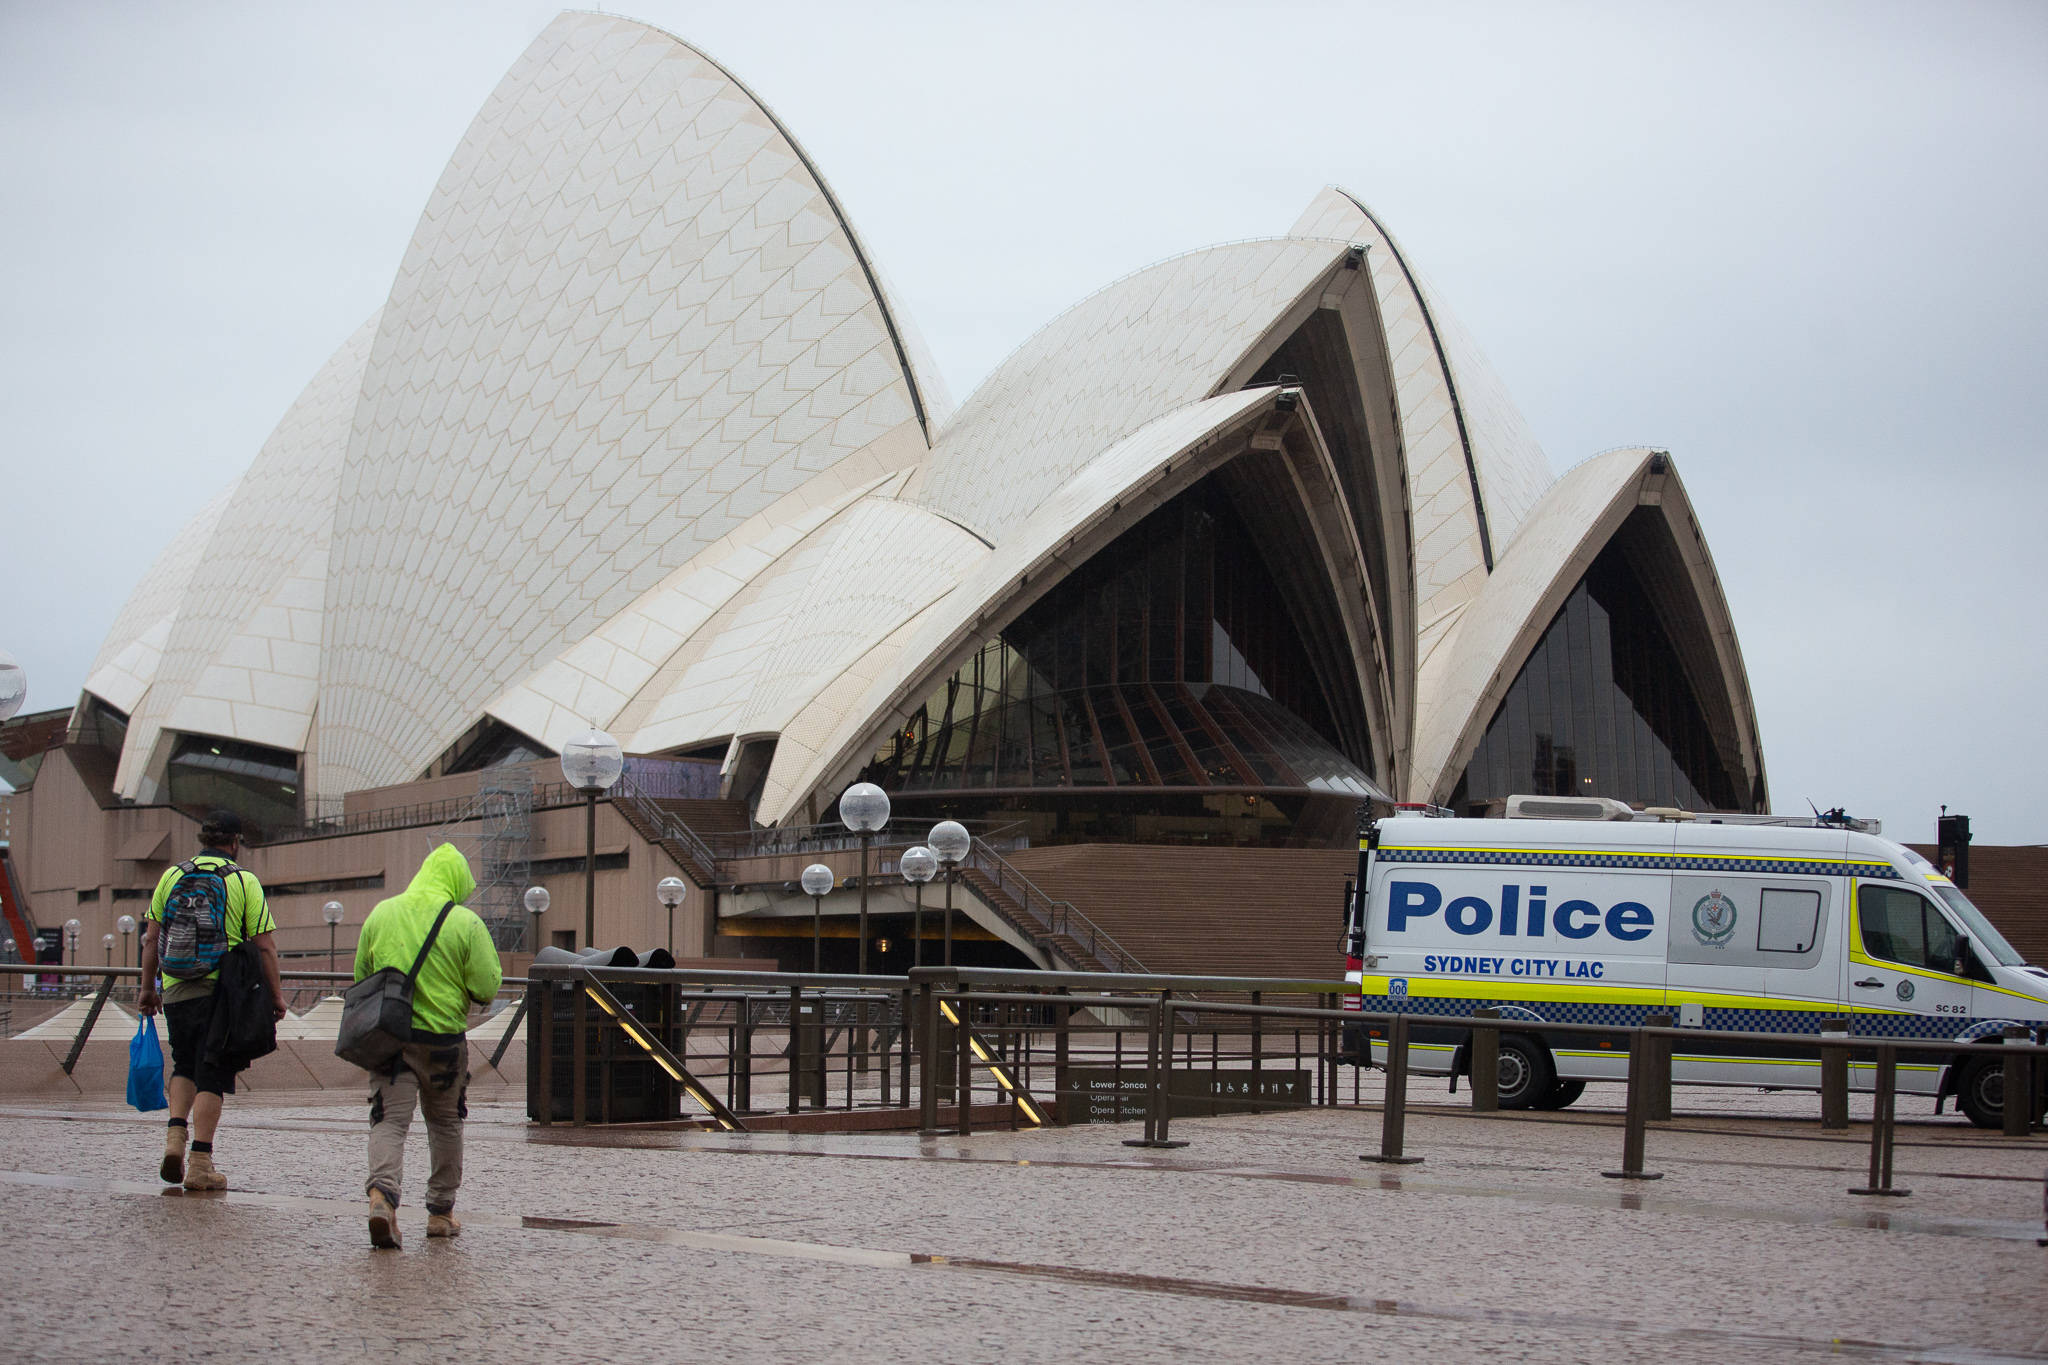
x=1264 y=1238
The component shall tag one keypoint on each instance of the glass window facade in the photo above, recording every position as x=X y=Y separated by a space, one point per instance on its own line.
x=94 y=747
x=23 y=742
x=1318 y=357
x=1167 y=662
x=1606 y=706
x=491 y=744
x=259 y=784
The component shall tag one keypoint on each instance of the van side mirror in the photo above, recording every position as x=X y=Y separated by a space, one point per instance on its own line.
x=1967 y=963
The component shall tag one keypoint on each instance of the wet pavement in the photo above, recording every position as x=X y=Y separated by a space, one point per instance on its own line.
x=1265 y=1238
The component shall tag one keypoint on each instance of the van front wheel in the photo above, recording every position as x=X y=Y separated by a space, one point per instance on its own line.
x=1560 y=1095
x=1526 y=1073
x=1981 y=1092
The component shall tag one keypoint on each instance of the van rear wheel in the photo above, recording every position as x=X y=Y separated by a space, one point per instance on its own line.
x=1981 y=1092
x=1560 y=1095
x=1526 y=1073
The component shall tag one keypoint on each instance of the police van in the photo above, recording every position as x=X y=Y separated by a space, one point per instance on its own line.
x=1583 y=911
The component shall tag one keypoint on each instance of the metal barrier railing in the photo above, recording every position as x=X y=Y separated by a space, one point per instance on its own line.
x=2024 y=1064
x=860 y=1043
x=797 y=1033
x=101 y=983
x=746 y=1044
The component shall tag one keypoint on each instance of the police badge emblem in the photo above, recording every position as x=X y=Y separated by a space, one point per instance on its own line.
x=1713 y=919
x=1906 y=989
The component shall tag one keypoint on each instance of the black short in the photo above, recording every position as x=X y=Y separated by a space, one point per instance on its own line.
x=187 y=1022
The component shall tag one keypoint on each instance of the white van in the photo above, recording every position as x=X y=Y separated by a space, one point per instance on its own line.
x=1752 y=924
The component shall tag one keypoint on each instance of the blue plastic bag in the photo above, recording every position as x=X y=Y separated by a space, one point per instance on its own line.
x=146 y=1067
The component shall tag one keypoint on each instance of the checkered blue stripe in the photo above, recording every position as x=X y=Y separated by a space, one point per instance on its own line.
x=1659 y=862
x=1797 y=1022
x=1910 y=1025
x=1554 y=1011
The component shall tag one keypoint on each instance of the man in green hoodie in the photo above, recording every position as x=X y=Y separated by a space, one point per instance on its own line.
x=433 y=1069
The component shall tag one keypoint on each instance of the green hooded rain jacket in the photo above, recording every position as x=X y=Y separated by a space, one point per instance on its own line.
x=463 y=967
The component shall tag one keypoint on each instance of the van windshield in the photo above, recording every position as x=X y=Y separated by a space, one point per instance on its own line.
x=1979 y=927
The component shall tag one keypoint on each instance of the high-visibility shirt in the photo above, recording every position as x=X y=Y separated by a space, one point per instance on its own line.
x=248 y=916
x=463 y=968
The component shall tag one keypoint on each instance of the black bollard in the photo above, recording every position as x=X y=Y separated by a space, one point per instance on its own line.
x=1834 y=1077
x=1660 y=1069
x=2019 y=1083
x=1881 y=1126
x=1394 y=1111
x=1485 y=1060
x=1636 y=1124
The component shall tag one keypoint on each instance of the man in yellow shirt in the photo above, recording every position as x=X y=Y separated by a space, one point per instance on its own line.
x=202 y=908
x=433 y=1069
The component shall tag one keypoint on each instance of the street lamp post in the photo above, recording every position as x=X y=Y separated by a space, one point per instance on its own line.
x=71 y=928
x=865 y=810
x=817 y=880
x=591 y=762
x=536 y=900
x=331 y=912
x=107 y=942
x=126 y=924
x=670 y=892
x=918 y=865
x=949 y=841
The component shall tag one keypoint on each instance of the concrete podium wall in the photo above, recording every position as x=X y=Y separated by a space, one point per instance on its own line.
x=33 y=1068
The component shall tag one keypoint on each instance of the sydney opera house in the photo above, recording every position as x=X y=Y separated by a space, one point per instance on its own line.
x=640 y=440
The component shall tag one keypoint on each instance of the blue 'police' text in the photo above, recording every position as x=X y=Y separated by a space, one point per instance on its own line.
x=1627 y=921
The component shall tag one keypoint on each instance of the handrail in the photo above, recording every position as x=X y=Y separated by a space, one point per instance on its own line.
x=108 y=975
x=784 y=840
x=84 y=969
x=704 y=862
x=546 y=796
x=1058 y=917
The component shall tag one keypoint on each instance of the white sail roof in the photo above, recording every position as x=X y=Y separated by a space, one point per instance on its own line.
x=637 y=440
x=1148 y=344
x=630 y=319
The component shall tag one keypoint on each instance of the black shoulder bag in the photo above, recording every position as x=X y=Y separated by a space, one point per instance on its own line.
x=243 y=1026
x=376 y=1012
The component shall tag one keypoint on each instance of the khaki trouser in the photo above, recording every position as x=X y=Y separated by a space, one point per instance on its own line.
x=435 y=1074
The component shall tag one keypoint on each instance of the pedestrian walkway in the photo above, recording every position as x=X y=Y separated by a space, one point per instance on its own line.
x=1264 y=1239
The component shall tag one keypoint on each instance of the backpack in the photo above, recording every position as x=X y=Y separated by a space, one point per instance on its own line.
x=195 y=924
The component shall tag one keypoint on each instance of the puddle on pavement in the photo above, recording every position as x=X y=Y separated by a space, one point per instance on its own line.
x=1738 y=1344
x=914 y=1147
x=1733 y=1344
x=353 y=1208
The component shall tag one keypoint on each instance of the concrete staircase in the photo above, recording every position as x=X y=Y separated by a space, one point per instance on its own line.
x=1197 y=911
x=1067 y=952
x=1203 y=911
x=678 y=825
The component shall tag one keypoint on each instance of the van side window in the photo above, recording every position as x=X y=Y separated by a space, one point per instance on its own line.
x=1788 y=921
x=1902 y=927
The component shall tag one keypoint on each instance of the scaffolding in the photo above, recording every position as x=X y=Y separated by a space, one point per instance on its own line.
x=497 y=824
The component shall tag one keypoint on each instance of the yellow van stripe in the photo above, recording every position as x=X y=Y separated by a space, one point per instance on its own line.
x=1441 y=988
x=1642 y=853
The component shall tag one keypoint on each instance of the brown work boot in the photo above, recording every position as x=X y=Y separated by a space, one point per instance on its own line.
x=444 y=1224
x=200 y=1173
x=172 y=1169
x=383 y=1222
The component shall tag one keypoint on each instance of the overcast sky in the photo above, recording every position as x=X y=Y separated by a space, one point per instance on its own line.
x=1799 y=245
